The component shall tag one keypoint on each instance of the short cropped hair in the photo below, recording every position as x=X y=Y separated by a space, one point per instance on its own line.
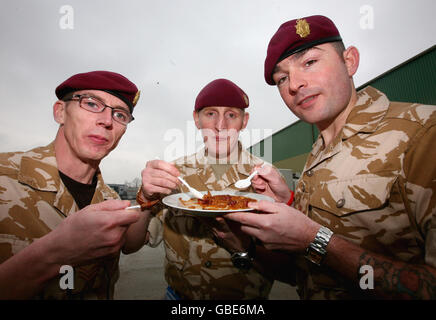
x=339 y=48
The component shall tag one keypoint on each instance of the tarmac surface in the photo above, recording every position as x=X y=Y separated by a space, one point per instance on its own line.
x=142 y=278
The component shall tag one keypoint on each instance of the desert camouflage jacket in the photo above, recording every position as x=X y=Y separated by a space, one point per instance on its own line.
x=196 y=267
x=33 y=201
x=375 y=186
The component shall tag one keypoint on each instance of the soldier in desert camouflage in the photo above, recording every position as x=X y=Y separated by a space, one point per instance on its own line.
x=367 y=194
x=198 y=250
x=54 y=205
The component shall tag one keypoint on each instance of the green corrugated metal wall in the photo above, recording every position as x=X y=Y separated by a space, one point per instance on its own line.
x=289 y=146
x=413 y=81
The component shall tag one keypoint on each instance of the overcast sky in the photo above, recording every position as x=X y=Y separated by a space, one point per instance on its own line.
x=172 y=49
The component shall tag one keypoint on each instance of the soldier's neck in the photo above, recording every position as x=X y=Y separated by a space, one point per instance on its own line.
x=330 y=129
x=230 y=158
x=70 y=164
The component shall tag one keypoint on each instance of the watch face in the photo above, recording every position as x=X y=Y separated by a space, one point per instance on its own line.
x=241 y=261
x=314 y=256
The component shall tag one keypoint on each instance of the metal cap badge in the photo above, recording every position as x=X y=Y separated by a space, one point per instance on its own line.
x=302 y=28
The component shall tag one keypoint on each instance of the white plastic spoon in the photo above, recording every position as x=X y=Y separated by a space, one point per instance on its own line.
x=245 y=183
x=133 y=207
x=195 y=192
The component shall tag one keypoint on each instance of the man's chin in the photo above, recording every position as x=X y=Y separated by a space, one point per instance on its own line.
x=221 y=156
x=95 y=155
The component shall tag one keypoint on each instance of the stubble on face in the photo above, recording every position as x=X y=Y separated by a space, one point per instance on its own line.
x=324 y=87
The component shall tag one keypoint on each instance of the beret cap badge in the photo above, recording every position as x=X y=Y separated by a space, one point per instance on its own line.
x=302 y=28
x=245 y=99
x=136 y=98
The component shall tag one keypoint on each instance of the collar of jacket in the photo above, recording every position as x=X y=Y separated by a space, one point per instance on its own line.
x=365 y=117
x=38 y=169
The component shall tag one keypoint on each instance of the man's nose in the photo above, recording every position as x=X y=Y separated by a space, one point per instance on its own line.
x=105 y=117
x=296 y=82
x=221 y=123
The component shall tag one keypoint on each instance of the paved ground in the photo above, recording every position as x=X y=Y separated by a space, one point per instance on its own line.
x=142 y=278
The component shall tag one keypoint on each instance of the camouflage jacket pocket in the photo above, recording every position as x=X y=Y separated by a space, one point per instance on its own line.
x=176 y=247
x=359 y=193
x=174 y=259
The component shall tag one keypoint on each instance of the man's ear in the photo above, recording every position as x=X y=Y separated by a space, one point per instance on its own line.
x=245 y=122
x=351 y=58
x=59 y=111
x=195 y=114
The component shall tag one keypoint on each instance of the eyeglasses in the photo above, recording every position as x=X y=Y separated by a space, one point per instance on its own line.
x=94 y=105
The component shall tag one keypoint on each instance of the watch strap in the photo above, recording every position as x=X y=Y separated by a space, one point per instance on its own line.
x=252 y=250
x=316 y=250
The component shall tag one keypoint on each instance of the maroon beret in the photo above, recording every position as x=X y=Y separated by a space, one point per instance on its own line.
x=297 y=35
x=221 y=93
x=111 y=82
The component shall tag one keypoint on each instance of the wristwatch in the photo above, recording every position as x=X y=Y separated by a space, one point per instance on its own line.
x=316 y=251
x=244 y=260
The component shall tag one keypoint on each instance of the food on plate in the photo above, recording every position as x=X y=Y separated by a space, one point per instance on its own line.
x=217 y=202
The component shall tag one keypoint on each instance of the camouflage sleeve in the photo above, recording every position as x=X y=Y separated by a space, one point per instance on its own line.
x=13 y=228
x=155 y=228
x=420 y=187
